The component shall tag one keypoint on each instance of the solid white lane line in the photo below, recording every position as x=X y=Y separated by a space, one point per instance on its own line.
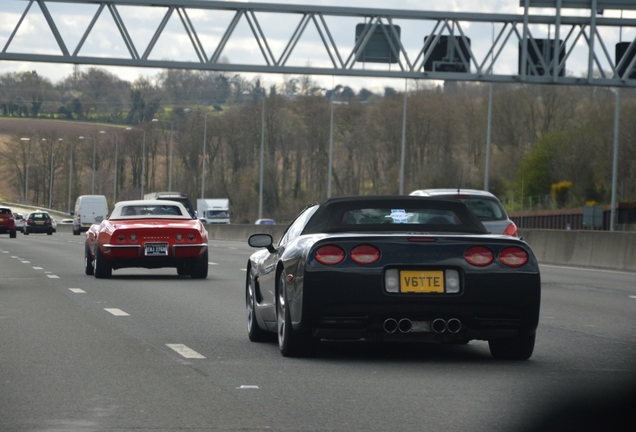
x=38 y=268
x=50 y=276
x=184 y=351
x=116 y=312
x=77 y=290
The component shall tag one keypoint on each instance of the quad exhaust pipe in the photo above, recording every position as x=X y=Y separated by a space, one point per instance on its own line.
x=390 y=325
x=405 y=325
x=439 y=325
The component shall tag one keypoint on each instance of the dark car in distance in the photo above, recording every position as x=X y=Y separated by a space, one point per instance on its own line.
x=394 y=268
x=38 y=222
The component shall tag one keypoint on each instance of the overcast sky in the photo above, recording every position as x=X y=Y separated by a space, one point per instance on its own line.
x=72 y=19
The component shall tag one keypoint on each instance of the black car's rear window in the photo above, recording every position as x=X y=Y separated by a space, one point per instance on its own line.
x=366 y=216
x=39 y=216
x=405 y=214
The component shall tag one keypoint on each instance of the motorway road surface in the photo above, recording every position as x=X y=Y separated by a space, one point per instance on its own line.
x=149 y=351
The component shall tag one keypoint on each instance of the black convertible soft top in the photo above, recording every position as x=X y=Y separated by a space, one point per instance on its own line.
x=399 y=213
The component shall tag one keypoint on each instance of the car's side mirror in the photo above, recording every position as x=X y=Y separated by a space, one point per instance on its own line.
x=261 y=241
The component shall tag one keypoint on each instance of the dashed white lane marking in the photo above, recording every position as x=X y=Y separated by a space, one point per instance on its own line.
x=52 y=277
x=632 y=297
x=38 y=268
x=116 y=312
x=184 y=351
x=13 y=256
x=77 y=290
x=248 y=387
x=5 y=251
x=211 y=263
x=25 y=262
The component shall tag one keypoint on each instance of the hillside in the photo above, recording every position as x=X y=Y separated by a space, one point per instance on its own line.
x=12 y=129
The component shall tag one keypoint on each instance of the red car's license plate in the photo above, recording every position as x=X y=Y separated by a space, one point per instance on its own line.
x=422 y=281
x=154 y=249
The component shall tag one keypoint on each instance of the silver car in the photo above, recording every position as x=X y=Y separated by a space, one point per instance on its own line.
x=19 y=221
x=485 y=205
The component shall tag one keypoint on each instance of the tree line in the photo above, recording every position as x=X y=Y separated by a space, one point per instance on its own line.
x=551 y=146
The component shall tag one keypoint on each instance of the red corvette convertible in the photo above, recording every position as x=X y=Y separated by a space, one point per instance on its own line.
x=148 y=234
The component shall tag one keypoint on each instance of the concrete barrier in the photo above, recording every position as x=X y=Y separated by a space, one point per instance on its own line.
x=242 y=232
x=594 y=249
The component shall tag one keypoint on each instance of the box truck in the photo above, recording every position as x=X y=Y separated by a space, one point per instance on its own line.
x=214 y=210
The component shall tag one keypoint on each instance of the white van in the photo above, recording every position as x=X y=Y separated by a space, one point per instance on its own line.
x=89 y=209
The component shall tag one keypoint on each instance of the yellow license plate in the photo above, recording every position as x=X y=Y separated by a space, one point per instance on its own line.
x=422 y=281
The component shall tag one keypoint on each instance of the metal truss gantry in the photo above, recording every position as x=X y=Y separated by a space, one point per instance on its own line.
x=517 y=34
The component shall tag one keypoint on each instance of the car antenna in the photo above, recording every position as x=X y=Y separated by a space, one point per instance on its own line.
x=461 y=177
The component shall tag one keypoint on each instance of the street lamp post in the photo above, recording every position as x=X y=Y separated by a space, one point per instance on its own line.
x=330 y=169
x=523 y=178
x=403 y=151
x=143 y=159
x=26 y=174
x=170 y=153
x=116 y=158
x=260 y=186
x=205 y=131
x=51 y=177
x=94 y=144
x=70 y=177
x=489 y=126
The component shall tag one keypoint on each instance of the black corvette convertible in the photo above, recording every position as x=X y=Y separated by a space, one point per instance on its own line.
x=393 y=268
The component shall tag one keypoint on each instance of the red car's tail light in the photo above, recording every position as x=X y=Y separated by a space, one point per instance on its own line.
x=179 y=237
x=513 y=257
x=365 y=254
x=478 y=256
x=511 y=230
x=191 y=237
x=133 y=238
x=330 y=255
x=121 y=238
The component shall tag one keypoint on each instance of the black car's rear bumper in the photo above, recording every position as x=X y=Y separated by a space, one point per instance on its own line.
x=356 y=306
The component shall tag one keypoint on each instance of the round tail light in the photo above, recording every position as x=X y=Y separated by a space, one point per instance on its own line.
x=365 y=254
x=479 y=256
x=511 y=230
x=329 y=255
x=513 y=257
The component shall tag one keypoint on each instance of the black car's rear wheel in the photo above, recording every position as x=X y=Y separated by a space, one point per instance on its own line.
x=102 y=269
x=254 y=332
x=518 y=348
x=200 y=269
x=88 y=261
x=290 y=342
